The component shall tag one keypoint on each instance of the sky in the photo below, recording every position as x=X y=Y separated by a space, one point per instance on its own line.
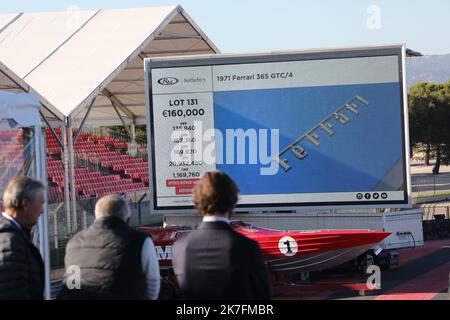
x=263 y=25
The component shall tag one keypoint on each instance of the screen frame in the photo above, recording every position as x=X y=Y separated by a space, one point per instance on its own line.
x=251 y=58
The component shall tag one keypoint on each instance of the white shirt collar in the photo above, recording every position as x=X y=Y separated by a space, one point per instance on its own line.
x=215 y=219
x=7 y=216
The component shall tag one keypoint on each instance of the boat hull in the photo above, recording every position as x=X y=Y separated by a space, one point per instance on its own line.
x=317 y=261
x=284 y=251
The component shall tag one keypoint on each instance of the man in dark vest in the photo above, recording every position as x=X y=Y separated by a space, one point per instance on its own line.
x=214 y=261
x=21 y=266
x=110 y=260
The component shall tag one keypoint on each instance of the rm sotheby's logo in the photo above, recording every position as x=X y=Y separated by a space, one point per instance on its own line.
x=167 y=81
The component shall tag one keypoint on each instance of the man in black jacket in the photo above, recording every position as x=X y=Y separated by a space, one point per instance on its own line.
x=113 y=260
x=214 y=261
x=21 y=265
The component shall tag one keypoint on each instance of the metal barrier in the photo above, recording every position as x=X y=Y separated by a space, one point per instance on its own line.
x=435 y=212
x=436 y=222
x=55 y=288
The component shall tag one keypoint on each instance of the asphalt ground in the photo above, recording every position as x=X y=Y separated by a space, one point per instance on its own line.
x=422 y=274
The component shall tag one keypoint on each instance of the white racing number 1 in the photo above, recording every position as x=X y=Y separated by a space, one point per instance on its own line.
x=288 y=246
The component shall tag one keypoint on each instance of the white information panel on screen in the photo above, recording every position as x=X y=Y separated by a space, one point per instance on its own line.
x=321 y=129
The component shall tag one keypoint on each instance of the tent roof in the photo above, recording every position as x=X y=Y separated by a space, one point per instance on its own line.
x=70 y=58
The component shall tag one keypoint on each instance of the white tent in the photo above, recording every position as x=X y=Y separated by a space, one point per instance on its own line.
x=69 y=58
x=87 y=67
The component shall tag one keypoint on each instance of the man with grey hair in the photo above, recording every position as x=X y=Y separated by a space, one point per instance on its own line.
x=21 y=266
x=114 y=260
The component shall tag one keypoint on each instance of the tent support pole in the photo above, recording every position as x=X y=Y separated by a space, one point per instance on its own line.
x=133 y=132
x=83 y=121
x=52 y=130
x=41 y=173
x=117 y=103
x=66 y=178
x=73 y=199
x=120 y=117
x=55 y=225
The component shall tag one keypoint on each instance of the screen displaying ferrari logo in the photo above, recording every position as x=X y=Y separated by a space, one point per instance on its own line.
x=312 y=137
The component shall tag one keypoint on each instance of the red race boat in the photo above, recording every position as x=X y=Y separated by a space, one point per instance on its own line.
x=285 y=251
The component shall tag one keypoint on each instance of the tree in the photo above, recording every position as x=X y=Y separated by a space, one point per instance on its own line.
x=429 y=119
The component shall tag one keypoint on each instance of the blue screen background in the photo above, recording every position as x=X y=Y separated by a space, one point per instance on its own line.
x=355 y=158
